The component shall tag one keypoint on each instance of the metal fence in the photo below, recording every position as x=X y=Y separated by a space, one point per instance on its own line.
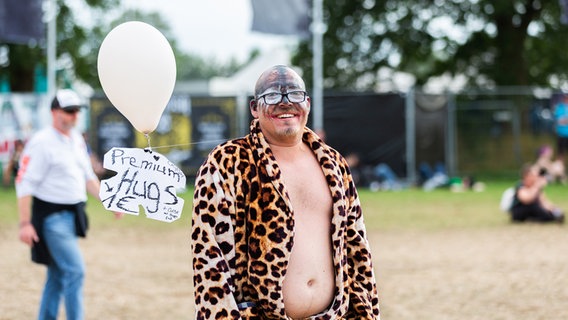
x=478 y=133
x=495 y=132
x=470 y=133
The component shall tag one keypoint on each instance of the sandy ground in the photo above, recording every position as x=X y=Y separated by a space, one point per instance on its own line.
x=510 y=272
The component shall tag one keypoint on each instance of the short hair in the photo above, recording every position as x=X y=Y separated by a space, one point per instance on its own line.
x=526 y=169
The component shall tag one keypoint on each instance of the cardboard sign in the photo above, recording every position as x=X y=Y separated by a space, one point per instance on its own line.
x=144 y=178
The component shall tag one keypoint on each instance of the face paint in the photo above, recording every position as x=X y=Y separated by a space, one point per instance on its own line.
x=279 y=79
x=283 y=121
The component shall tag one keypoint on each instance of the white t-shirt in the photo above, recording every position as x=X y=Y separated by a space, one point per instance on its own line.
x=55 y=167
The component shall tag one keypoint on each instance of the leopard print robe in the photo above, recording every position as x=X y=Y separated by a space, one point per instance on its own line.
x=243 y=233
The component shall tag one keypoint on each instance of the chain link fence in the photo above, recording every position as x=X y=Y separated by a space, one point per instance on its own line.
x=493 y=133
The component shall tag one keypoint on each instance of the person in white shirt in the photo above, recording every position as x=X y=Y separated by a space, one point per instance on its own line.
x=54 y=177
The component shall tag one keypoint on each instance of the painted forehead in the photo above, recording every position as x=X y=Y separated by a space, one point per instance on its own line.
x=279 y=78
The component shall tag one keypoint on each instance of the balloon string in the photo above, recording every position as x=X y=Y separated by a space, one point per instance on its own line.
x=148 y=138
x=189 y=144
x=181 y=144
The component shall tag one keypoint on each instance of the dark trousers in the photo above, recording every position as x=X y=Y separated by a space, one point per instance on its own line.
x=531 y=212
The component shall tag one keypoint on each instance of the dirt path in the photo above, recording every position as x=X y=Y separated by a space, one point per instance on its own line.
x=131 y=274
x=514 y=272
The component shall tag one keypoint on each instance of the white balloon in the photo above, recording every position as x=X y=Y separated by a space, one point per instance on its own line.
x=137 y=70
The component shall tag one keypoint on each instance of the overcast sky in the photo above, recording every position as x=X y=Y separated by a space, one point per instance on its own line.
x=217 y=28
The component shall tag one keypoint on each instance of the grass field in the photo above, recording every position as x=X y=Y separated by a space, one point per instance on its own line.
x=437 y=255
x=441 y=209
x=407 y=209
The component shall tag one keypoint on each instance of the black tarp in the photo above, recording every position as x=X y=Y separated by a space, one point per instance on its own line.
x=290 y=17
x=371 y=125
x=21 y=21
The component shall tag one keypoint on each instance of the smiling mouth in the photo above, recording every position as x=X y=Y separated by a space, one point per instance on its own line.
x=285 y=116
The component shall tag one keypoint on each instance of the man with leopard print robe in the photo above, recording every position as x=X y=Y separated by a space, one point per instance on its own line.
x=277 y=226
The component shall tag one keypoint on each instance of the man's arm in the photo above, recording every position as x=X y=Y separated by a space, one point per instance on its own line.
x=363 y=294
x=30 y=174
x=93 y=187
x=27 y=233
x=212 y=245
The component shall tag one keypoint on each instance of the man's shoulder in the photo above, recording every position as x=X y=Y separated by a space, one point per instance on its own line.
x=41 y=136
x=234 y=148
x=230 y=146
x=227 y=157
x=328 y=150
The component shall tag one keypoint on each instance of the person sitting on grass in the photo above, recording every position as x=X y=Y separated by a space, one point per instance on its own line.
x=530 y=203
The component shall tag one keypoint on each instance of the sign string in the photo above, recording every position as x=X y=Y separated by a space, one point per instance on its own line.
x=178 y=145
x=185 y=144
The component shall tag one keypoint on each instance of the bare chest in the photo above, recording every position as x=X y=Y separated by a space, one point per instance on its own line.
x=306 y=186
x=309 y=284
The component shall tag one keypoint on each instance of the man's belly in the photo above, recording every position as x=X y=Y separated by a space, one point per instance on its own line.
x=307 y=297
x=309 y=285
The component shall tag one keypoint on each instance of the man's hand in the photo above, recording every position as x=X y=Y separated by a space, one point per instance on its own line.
x=118 y=215
x=28 y=234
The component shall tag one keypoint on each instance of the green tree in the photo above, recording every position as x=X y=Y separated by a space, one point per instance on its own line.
x=74 y=40
x=517 y=42
x=79 y=45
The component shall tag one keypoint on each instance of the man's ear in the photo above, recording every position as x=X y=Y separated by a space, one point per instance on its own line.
x=253 y=108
